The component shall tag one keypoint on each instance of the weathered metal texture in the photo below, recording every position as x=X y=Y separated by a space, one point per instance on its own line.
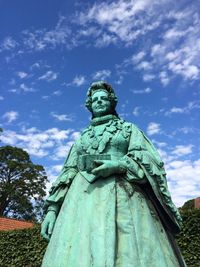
x=110 y=206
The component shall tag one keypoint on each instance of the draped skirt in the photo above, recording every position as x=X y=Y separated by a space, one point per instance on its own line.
x=109 y=223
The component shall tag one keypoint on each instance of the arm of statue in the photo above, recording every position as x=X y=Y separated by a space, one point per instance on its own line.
x=49 y=222
x=58 y=192
x=106 y=168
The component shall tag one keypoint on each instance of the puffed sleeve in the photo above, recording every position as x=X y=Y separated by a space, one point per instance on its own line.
x=60 y=187
x=141 y=158
x=145 y=166
x=130 y=164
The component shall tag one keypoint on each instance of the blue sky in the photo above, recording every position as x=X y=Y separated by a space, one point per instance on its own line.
x=149 y=50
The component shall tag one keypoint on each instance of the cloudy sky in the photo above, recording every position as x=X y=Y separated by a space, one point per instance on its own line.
x=149 y=50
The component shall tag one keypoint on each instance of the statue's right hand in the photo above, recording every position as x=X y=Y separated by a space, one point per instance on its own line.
x=48 y=225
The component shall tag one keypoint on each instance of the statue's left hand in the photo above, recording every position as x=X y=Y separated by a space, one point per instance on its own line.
x=48 y=225
x=106 y=168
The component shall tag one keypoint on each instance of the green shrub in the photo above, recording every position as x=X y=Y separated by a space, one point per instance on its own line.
x=188 y=205
x=22 y=248
x=189 y=238
x=25 y=248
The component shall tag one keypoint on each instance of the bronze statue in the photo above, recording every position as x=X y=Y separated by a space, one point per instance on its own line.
x=110 y=206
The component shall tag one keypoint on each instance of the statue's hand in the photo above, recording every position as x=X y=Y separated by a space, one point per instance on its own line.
x=107 y=167
x=48 y=225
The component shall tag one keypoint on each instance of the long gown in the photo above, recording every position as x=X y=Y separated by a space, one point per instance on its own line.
x=125 y=220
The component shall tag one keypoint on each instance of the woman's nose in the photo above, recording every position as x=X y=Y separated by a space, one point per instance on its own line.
x=99 y=101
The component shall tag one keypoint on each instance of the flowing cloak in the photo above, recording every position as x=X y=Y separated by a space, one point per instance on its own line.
x=124 y=220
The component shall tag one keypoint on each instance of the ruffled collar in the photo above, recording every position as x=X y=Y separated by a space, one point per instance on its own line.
x=103 y=119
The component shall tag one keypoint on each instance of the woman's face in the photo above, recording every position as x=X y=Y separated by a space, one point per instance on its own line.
x=101 y=104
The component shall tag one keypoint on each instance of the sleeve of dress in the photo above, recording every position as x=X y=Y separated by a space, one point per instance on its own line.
x=60 y=187
x=145 y=166
x=130 y=162
x=142 y=159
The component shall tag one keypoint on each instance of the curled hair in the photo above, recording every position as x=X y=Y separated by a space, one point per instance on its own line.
x=111 y=95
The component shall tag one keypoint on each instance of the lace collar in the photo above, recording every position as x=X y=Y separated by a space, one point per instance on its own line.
x=103 y=119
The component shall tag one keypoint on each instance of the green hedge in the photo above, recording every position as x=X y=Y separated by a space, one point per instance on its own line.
x=189 y=238
x=25 y=248
x=22 y=248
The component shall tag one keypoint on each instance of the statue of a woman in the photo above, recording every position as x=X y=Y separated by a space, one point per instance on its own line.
x=110 y=206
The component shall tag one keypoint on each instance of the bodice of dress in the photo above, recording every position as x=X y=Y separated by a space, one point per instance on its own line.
x=110 y=137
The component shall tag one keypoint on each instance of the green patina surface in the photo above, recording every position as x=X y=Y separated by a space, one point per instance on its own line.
x=110 y=206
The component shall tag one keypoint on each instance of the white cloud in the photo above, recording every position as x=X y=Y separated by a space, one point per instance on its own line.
x=62 y=151
x=136 y=58
x=22 y=74
x=144 y=91
x=23 y=88
x=127 y=23
x=181 y=150
x=62 y=117
x=101 y=75
x=186 y=130
x=136 y=111
x=186 y=70
x=120 y=20
x=78 y=80
x=153 y=128
x=144 y=65
x=57 y=93
x=184 y=110
x=173 y=33
x=36 y=65
x=52 y=142
x=8 y=44
x=105 y=13
x=139 y=63
x=133 y=60
x=177 y=52
x=42 y=39
x=183 y=177
x=75 y=135
x=45 y=97
x=148 y=77
x=49 y=76
x=52 y=173
x=177 y=110
x=57 y=168
x=57 y=134
x=159 y=144
x=120 y=78
x=10 y=116
x=164 y=78
x=1 y=98
x=105 y=40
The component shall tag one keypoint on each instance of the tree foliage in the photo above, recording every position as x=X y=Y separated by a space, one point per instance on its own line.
x=188 y=205
x=22 y=184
